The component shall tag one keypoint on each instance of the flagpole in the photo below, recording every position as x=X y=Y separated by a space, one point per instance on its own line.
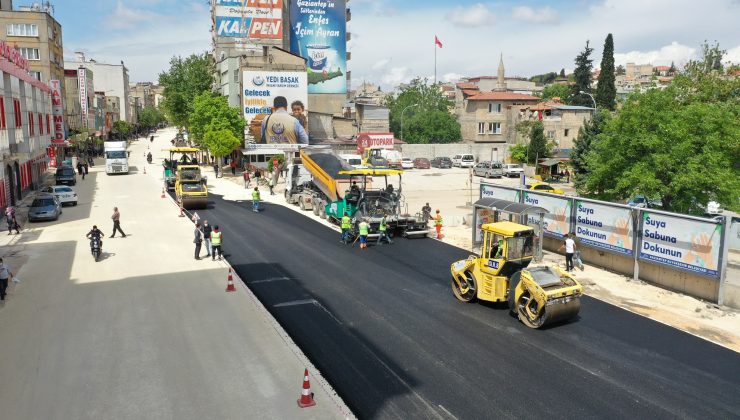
x=435 y=59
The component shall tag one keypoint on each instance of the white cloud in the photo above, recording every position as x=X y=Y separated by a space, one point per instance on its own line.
x=380 y=64
x=396 y=76
x=733 y=55
x=674 y=52
x=528 y=14
x=471 y=16
x=126 y=18
x=451 y=77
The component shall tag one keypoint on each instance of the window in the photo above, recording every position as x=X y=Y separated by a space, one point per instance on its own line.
x=35 y=74
x=550 y=134
x=481 y=128
x=30 y=53
x=30 y=125
x=493 y=107
x=48 y=124
x=2 y=113
x=494 y=128
x=236 y=75
x=41 y=124
x=566 y=132
x=22 y=29
x=17 y=113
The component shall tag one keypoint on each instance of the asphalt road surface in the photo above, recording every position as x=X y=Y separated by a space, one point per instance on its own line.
x=385 y=329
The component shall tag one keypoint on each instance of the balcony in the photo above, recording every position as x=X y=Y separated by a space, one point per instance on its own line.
x=349 y=14
x=349 y=36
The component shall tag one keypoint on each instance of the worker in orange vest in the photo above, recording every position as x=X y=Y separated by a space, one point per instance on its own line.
x=438 y=224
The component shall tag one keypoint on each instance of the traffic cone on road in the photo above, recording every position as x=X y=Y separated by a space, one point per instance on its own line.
x=306 y=399
x=162 y=192
x=230 y=283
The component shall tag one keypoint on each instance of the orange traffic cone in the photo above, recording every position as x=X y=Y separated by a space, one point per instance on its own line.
x=306 y=399
x=162 y=192
x=230 y=283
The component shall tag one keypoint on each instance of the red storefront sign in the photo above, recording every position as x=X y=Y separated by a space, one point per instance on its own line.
x=13 y=55
x=374 y=140
x=57 y=111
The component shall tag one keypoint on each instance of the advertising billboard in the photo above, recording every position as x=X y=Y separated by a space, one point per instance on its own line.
x=687 y=244
x=319 y=34
x=261 y=88
x=374 y=140
x=557 y=220
x=605 y=227
x=492 y=191
x=258 y=22
x=57 y=112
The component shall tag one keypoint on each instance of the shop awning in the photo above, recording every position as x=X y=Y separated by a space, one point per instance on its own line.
x=550 y=162
x=252 y=152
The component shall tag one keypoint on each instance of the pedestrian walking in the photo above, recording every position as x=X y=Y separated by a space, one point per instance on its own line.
x=438 y=224
x=426 y=212
x=197 y=240
x=11 y=220
x=116 y=217
x=346 y=225
x=383 y=231
x=85 y=169
x=272 y=184
x=233 y=167
x=5 y=275
x=364 y=228
x=80 y=172
x=245 y=174
x=570 y=248
x=207 y=229
x=215 y=168
x=256 y=200
x=216 y=238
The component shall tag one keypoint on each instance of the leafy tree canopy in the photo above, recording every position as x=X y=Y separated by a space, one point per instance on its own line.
x=556 y=91
x=150 y=117
x=212 y=113
x=221 y=142
x=185 y=79
x=121 y=127
x=545 y=79
x=426 y=114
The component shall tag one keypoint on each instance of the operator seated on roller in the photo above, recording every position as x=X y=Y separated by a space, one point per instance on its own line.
x=497 y=249
x=353 y=194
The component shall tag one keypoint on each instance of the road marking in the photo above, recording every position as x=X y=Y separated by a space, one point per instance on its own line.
x=446 y=411
x=296 y=303
x=271 y=279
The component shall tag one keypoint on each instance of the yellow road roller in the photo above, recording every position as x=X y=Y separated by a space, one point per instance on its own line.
x=538 y=295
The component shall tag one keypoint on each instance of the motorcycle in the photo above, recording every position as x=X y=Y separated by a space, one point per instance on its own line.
x=96 y=246
x=149 y=158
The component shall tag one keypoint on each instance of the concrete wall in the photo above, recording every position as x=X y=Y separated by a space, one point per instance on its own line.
x=327 y=103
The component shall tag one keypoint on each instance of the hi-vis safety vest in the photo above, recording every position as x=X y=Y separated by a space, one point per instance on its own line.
x=255 y=195
x=438 y=220
x=364 y=229
x=346 y=222
x=215 y=238
x=382 y=225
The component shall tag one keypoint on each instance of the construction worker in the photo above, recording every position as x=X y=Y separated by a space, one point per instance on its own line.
x=346 y=225
x=438 y=224
x=216 y=236
x=256 y=200
x=383 y=231
x=364 y=228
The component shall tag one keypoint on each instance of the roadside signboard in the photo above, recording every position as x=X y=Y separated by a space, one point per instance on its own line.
x=258 y=22
x=261 y=88
x=605 y=227
x=557 y=220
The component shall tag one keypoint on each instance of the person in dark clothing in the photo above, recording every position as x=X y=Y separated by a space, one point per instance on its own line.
x=207 y=237
x=197 y=240
x=116 y=223
x=85 y=170
x=80 y=171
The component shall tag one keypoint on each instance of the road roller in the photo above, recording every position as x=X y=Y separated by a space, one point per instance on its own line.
x=539 y=296
x=191 y=189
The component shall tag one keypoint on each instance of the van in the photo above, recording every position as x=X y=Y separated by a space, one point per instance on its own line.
x=65 y=175
x=456 y=160
x=354 y=161
x=467 y=161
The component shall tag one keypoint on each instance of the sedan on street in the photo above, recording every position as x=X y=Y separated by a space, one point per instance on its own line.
x=407 y=163
x=488 y=170
x=44 y=207
x=62 y=193
x=422 y=163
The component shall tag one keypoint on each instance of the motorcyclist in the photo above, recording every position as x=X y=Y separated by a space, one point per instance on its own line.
x=95 y=233
x=149 y=157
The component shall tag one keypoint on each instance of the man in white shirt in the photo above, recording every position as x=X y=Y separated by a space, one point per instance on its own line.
x=570 y=249
x=5 y=275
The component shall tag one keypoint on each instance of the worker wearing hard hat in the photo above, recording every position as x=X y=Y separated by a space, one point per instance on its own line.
x=438 y=224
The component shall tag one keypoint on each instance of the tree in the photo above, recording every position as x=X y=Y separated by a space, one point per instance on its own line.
x=121 y=128
x=518 y=152
x=426 y=114
x=562 y=73
x=221 y=142
x=620 y=70
x=582 y=77
x=538 y=146
x=150 y=117
x=582 y=146
x=185 y=79
x=606 y=91
x=556 y=91
x=672 y=69
x=212 y=113
x=544 y=79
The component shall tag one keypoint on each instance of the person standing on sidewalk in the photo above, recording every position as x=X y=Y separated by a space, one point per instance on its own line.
x=216 y=237
x=5 y=275
x=245 y=174
x=207 y=237
x=346 y=225
x=256 y=200
x=116 y=223
x=12 y=222
x=232 y=165
x=197 y=240
x=570 y=248
x=272 y=184
x=438 y=224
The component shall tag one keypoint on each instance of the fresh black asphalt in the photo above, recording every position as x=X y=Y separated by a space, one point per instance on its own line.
x=384 y=328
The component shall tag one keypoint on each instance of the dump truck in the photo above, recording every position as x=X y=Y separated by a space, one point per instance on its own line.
x=191 y=189
x=539 y=296
x=321 y=181
x=178 y=156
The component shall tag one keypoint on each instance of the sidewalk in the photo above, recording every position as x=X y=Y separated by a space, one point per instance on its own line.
x=147 y=332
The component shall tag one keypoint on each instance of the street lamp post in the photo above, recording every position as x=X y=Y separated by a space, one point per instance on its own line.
x=404 y=110
x=590 y=96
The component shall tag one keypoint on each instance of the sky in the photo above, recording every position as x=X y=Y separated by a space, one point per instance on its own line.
x=393 y=41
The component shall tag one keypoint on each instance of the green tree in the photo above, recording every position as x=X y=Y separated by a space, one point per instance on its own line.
x=544 y=79
x=556 y=91
x=221 y=142
x=212 y=113
x=582 y=146
x=518 y=152
x=620 y=71
x=606 y=91
x=185 y=79
x=672 y=69
x=538 y=145
x=426 y=114
x=562 y=73
x=122 y=128
x=150 y=117
x=582 y=78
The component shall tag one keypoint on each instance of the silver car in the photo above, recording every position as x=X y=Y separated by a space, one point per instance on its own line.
x=488 y=169
x=44 y=207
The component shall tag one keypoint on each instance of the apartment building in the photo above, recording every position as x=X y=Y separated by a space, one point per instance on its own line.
x=80 y=110
x=111 y=79
x=561 y=122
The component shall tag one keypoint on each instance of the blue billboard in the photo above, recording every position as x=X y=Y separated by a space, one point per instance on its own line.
x=318 y=33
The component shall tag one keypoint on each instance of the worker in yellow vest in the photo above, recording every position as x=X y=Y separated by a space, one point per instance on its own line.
x=346 y=225
x=438 y=224
x=216 y=237
x=256 y=200
x=383 y=232
x=364 y=228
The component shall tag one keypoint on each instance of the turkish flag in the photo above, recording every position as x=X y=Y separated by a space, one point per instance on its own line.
x=437 y=41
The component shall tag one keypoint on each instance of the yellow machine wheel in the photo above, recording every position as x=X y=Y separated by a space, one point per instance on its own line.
x=527 y=311
x=469 y=289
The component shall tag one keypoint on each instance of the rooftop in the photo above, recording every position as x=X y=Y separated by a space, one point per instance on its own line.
x=502 y=96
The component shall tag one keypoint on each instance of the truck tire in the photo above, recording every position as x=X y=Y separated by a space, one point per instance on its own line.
x=287 y=197
x=301 y=203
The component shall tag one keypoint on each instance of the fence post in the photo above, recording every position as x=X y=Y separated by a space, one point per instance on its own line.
x=723 y=256
x=637 y=234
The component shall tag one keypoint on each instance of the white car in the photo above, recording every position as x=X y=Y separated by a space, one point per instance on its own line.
x=63 y=193
x=511 y=169
x=407 y=163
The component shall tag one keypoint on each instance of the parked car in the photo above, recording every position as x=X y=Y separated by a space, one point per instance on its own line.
x=542 y=187
x=512 y=169
x=44 y=207
x=488 y=170
x=442 y=162
x=62 y=193
x=66 y=175
x=422 y=163
x=407 y=163
x=640 y=201
x=467 y=161
x=456 y=160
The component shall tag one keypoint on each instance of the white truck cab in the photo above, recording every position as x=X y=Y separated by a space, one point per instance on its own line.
x=116 y=157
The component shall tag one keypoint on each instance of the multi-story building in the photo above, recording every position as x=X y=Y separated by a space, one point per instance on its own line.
x=134 y=107
x=25 y=126
x=561 y=122
x=147 y=91
x=112 y=79
x=37 y=35
x=112 y=110
x=80 y=110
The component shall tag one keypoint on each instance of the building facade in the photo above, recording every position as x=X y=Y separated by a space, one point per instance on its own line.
x=25 y=126
x=111 y=79
x=147 y=93
x=80 y=103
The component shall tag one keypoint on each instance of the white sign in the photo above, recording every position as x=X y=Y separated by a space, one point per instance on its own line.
x=557 y=219
x=492 y=191
x=691 y=245
x=57 y=111
x=261 y=88
x=605 y=227
x=260 y=22
x=82 y=82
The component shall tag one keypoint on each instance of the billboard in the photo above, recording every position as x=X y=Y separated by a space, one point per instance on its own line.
x=690 y=245
x=319 y=34
x=502 y=193
x=57 y=112
x=82 y=83
x=261 y=88
x=605 y=227
x=258 y=22
x=557 y=220
x=375 y=140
